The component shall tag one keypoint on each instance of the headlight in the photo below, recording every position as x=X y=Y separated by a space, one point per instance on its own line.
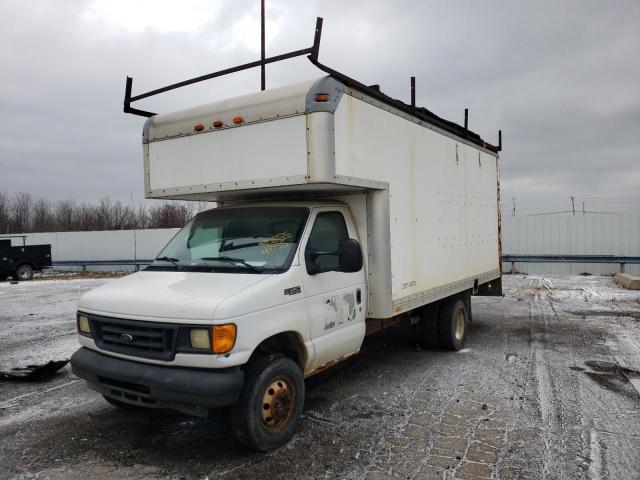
x=199 y=338
x=218 y=339
x=83 y=324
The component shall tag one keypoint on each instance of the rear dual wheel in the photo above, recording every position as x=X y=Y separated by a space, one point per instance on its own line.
x=452 y=325
x=270 y=404
x=444 y=324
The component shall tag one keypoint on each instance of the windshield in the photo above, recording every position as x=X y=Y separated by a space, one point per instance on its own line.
x=238 y=240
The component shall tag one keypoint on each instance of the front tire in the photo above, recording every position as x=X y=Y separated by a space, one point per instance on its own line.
x=24 y=272
x=270 y=404
x=452 y=325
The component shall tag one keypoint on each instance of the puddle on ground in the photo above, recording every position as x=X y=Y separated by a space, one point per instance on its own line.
x=608 y=375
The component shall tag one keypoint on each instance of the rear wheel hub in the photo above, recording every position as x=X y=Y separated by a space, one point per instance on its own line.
x=459 y=332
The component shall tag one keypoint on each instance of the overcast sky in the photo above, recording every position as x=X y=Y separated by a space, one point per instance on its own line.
x=561 y=79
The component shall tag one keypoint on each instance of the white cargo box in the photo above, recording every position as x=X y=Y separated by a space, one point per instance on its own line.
x=424 y=196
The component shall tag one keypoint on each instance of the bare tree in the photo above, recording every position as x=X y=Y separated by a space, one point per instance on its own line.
x=118 y=216
x=141 y=217
x=65 y=215
x=21 y=212
x=43 y=218
x=86 y=217
x=5 y=216
x=104 y=215
x=169 y=215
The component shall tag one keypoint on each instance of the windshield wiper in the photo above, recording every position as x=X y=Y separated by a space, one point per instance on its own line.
x=169 y=259
x=234 y=260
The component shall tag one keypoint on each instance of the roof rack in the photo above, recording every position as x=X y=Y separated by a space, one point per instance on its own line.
x=312 y=54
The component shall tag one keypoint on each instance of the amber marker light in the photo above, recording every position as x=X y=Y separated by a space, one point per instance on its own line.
x=223 y=338
x=217 y=123
x=322 y=97
x=198 y=128
x=237 y=120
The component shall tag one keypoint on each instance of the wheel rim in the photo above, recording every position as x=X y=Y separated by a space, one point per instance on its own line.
x=277 y=404
x=23 y=273
x=459 y=333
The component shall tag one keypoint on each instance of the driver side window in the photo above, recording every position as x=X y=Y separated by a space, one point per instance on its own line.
x=327 y=232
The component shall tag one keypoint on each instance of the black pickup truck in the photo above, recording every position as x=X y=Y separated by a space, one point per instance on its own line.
x=20 y=262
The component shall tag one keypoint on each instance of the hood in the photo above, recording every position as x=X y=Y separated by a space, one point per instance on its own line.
x=167 y=296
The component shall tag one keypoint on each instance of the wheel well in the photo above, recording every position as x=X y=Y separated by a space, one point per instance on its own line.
x=23 y=262
x=465 y=296
x=288 y=344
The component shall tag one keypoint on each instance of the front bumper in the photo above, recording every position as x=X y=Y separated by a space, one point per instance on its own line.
x=188 y=390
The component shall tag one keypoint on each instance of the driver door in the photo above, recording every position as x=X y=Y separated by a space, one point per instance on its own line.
x=334 y=299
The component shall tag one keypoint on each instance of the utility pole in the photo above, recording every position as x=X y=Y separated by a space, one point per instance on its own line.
x=135 y=240
x=573 y=205
x=583 y=208
x=513 y=212
x=413 y=92
x=262 y=47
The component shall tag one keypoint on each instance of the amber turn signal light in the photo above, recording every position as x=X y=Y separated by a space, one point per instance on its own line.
x=198 y=128
x=223 y=338
x=322 y=97
x=237 y=119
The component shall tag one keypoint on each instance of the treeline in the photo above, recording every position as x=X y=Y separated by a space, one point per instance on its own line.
x=21 y=213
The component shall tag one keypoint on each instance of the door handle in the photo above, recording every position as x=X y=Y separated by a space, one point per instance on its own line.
x=358 y=296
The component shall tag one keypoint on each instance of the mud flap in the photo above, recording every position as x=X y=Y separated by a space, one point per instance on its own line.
x=490 y=289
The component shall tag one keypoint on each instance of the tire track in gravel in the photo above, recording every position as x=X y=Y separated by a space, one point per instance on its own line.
x=555 y=347
x=569 y=401
x=545 y=393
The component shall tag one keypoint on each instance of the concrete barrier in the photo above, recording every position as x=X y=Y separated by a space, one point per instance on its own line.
x=627 y=280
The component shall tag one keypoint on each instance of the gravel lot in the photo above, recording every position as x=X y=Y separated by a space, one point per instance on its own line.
x=545 y=389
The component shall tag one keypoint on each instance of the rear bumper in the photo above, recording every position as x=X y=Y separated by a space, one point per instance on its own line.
x=191 y=391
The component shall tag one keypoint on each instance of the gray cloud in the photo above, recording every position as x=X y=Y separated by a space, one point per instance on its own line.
x=560 y=79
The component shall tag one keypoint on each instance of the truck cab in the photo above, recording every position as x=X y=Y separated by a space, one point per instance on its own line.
x=20 y=261
x=237 y=285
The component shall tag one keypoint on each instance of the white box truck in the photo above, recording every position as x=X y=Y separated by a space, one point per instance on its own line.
x=340 y=212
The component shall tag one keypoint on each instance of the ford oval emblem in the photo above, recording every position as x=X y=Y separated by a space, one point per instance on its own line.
x=125 y=337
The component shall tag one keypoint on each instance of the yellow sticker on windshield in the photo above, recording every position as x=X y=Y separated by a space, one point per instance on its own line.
x=269 y=245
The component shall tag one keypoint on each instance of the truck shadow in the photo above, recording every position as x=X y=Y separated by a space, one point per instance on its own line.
x=342 y=396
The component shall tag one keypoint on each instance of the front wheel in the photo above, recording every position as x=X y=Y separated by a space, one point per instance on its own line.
x=270 y=404
x=24 y=272
x=452 y=325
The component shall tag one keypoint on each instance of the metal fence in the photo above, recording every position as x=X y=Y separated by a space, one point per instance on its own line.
x=119 y=250
x=566 y=243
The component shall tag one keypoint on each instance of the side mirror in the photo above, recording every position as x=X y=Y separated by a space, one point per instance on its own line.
x=310 y=260
x=350 y=254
